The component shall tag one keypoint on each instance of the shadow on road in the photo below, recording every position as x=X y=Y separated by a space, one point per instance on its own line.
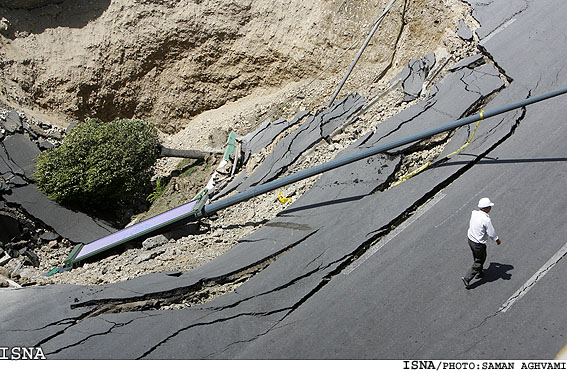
x=494 y=272
x=320 y=204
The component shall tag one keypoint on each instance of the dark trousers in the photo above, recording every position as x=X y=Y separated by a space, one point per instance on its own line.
x=479 y=255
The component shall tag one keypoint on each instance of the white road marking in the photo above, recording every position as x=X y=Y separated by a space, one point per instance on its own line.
x=364 y=257
x=535 y=278
x=499 y=29
x=562 y=355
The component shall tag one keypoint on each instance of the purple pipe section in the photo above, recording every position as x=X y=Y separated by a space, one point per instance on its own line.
x=137 y=230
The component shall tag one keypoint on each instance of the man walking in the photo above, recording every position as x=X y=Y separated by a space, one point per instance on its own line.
x=480 y=228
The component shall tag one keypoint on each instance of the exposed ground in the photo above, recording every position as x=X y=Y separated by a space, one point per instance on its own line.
x=200 y=69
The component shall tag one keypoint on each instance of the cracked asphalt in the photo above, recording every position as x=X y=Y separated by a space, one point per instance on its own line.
x=406 y=300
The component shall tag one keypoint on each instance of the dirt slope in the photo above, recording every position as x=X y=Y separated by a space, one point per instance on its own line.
x=167 y=61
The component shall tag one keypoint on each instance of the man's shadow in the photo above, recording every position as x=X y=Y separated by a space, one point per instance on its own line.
x=494 y=272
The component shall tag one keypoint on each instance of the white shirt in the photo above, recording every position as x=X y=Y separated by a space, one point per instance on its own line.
x=480 y=228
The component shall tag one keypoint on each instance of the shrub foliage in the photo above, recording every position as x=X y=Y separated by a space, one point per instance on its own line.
x=100 y=164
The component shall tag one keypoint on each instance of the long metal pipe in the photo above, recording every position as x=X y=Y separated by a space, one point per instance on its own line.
x=290 y=179
x=364 y=45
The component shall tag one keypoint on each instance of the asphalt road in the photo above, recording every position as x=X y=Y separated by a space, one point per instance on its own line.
x=406 y=301
x=329 y=285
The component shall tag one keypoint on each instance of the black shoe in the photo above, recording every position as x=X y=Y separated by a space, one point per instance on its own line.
x=467 y=282
x=479 y=275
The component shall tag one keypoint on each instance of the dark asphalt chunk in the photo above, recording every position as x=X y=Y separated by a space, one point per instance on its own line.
x=483 y=80
x=46 y=145
x=247 y=139
x=22 y=152
x=467 y=62
x=13 y=122
x=75 y=226
x=10 y=227
x=464 y=31
x=267 y=132
x=332 y=119
x=418 y=71
x=16 y=180
x=254 y=142
x=7 y=166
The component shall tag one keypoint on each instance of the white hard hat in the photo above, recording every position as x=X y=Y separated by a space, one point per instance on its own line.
x=484 y=202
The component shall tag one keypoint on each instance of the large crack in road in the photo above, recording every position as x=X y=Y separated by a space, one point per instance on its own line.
x=186 y=297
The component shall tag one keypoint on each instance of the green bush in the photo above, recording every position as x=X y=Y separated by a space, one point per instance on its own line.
x=100 y=164
x=158 y=191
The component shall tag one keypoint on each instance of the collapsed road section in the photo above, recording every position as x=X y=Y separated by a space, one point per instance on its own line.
x=401 y=305
x=197 y=207
x=308 y=273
